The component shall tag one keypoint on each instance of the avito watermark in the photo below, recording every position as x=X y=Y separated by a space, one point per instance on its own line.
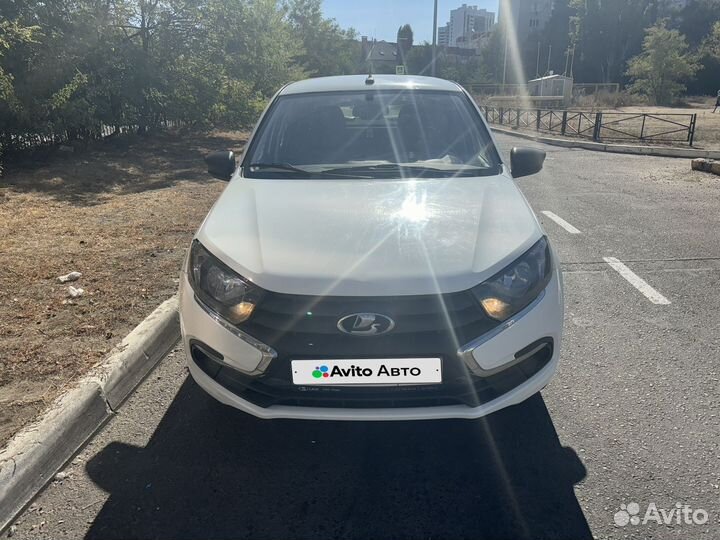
x=680 y=514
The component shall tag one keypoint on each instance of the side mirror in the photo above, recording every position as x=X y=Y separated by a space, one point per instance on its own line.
x=526 y=161
x=221 y=164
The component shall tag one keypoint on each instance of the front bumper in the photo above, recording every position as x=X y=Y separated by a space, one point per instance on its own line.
x=494 y=357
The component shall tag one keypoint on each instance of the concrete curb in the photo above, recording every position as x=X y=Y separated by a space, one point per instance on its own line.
x=615 y=148
x=706 y=165
x=36 y=453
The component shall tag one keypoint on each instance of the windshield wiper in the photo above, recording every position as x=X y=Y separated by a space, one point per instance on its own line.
x=385 y=167
x=398 y=167
x=284 y=167
x=288 y=168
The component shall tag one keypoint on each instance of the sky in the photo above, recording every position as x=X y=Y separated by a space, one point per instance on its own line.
x=382 y=18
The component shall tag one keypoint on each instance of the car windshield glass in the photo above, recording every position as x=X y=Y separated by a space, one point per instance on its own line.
x=372 y=134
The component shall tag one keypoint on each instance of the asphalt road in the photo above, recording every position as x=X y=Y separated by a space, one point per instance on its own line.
x=633 y=415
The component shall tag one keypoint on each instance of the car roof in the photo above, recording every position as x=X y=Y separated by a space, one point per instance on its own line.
x=357 y=82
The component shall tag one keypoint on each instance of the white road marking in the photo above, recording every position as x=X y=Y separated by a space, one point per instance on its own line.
x=636 y=281
x=560 y=221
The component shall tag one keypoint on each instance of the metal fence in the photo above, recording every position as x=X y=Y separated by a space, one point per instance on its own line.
x=18 y=142
x=599 y=126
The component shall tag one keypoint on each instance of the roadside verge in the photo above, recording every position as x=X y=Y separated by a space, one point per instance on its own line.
x=37 y=452
x=615 y=148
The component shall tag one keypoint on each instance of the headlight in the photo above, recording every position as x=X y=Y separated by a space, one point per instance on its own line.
x=223 y=290
x=515 y=287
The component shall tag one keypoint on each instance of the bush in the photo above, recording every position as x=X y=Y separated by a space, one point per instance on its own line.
x=238 y=105
x=661 y=70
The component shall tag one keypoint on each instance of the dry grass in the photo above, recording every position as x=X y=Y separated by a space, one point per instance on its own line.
x=707 y=133
x=123 y=215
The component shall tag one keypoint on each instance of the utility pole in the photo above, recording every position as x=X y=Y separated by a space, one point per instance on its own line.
x=505 y=60
x=549 y=54
x=434 y=41
x=537 y=65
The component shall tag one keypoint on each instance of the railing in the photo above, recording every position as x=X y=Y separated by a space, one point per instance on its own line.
x=14 y=142
x=599 y=126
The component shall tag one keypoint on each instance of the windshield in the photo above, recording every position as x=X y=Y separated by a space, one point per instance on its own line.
x=372 y=134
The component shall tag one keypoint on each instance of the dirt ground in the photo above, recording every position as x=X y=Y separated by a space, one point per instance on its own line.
x=121 y=213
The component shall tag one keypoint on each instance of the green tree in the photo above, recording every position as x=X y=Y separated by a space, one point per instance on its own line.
x=11 y=34
x=448 y=66
x=49 y=72
x=492 y=56
x=663 y=68
x=252 y=41
x=696 y=20
x=71 y=68
x=419 y=59
x=327 y=49
x=710 y=46
x=707 y=80
x=555 y=39
x=606 y=33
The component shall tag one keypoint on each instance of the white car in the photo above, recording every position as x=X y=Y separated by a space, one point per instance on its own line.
x=372 y=259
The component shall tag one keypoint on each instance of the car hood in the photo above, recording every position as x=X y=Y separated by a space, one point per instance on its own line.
x=369 y=237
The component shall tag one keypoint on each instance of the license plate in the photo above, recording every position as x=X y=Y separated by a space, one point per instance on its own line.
x=368 y=372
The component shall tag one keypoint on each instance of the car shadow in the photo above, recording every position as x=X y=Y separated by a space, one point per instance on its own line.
x=212 y=472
